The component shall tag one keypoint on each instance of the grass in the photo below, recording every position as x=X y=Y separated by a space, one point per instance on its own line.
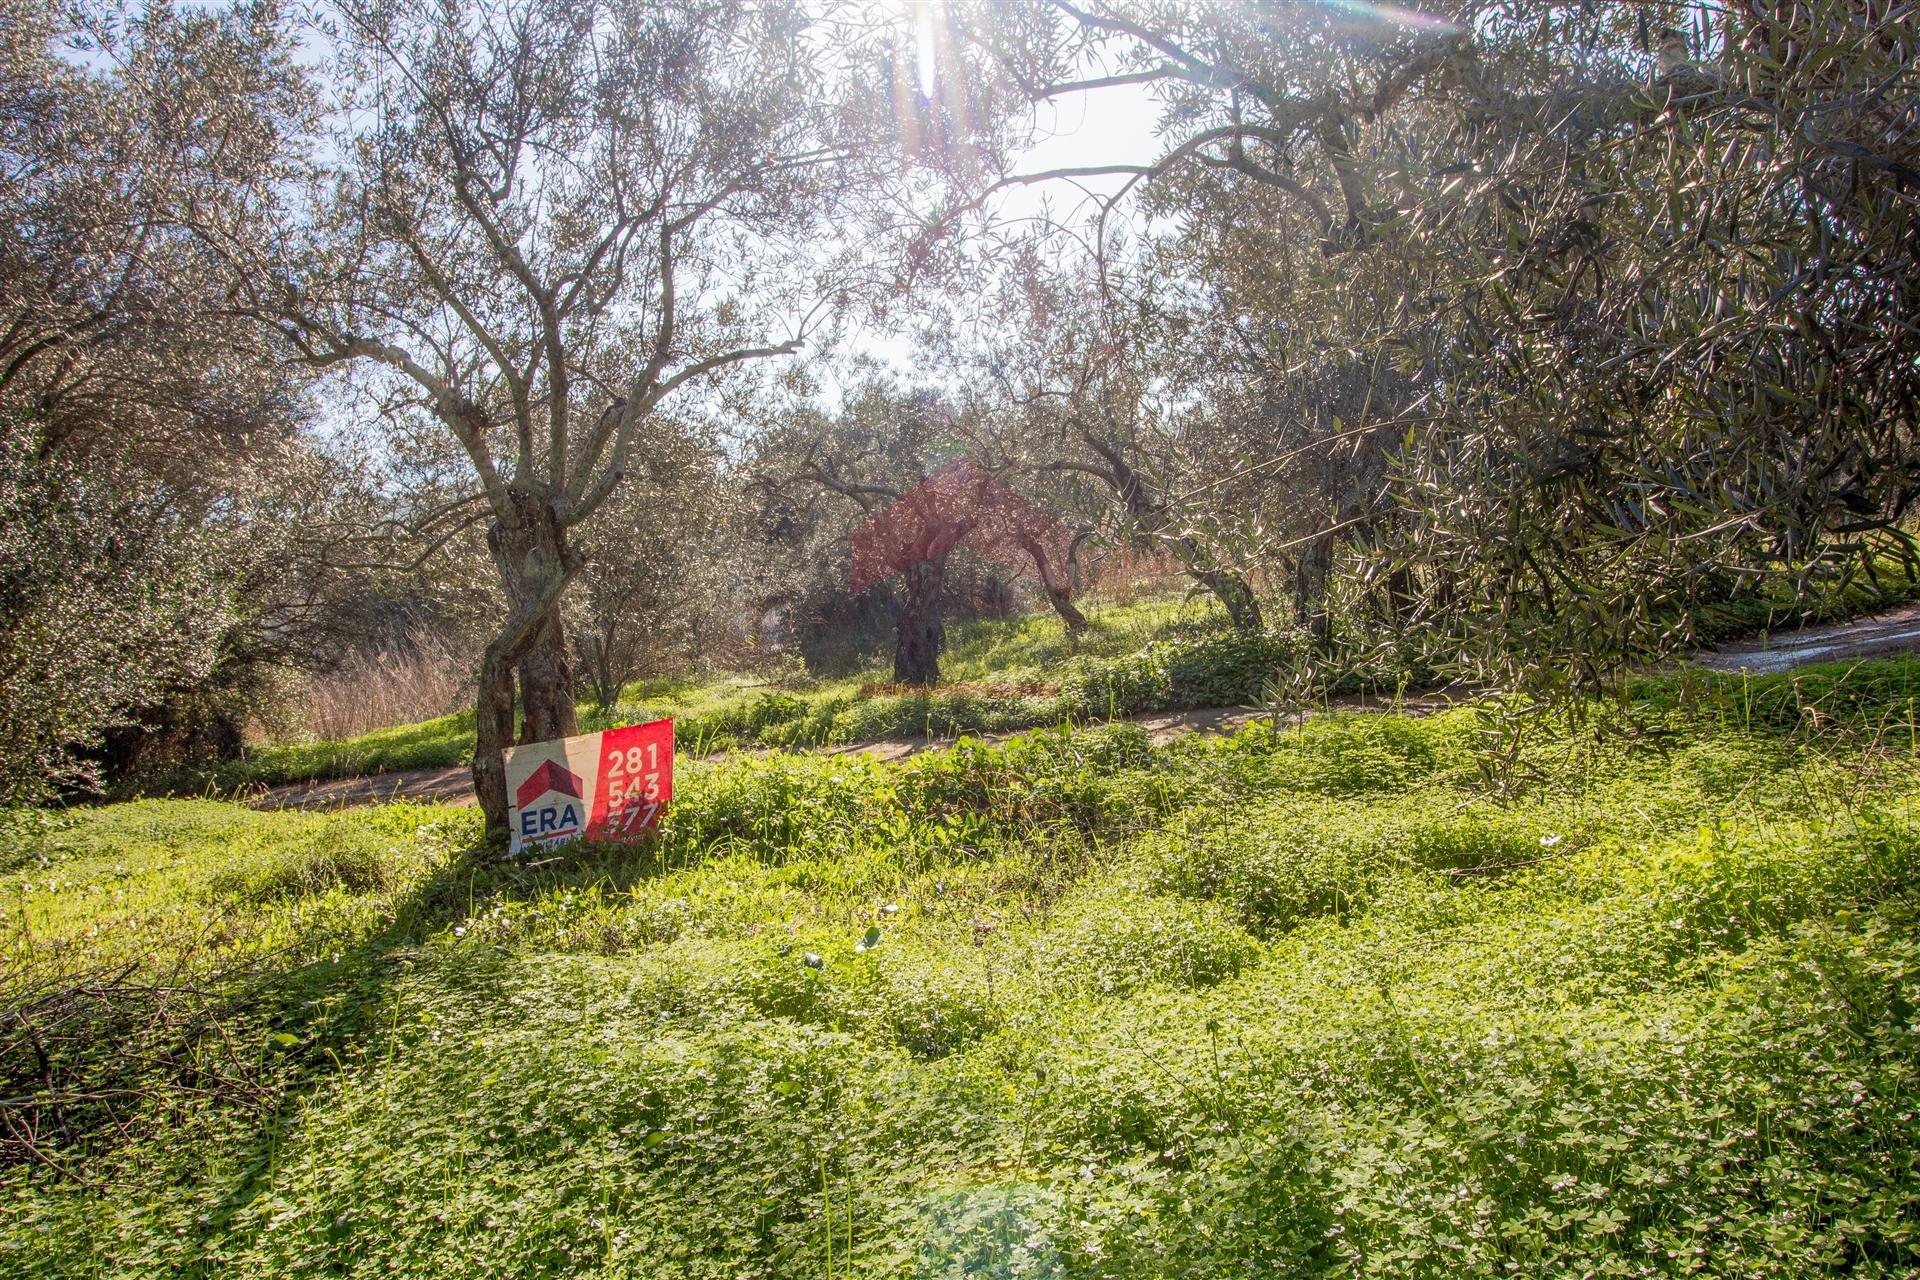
x=1007 y=675
x=1298 y=1002
x=1147 y=655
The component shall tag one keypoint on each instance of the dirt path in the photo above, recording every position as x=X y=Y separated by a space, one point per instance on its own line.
x=1875 y=637
x=443 y=786
x=455 y=785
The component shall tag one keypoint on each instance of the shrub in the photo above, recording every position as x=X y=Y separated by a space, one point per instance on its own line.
x=336 y=858
x=111 y=599
x=1277 y=864
x=1231 y=669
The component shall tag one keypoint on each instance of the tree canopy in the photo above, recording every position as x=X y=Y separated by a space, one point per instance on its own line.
x=1513 y=331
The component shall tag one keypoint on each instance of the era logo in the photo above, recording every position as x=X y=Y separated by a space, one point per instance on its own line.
x=550 y=803
x=550 y=821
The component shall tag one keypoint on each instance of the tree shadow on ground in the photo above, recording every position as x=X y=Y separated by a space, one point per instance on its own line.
x=258 y=1041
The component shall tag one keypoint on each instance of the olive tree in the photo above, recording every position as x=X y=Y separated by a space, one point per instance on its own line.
x=1632 y=286
x=532 y=225
x=859 y=462
x=114 y=335
x=107 y=597
x=1078 y=389
x=154 y=488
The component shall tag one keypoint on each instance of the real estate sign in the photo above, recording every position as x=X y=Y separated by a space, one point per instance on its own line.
x=598 y=786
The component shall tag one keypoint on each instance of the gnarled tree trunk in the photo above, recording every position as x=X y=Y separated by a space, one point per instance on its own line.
x=1232 y=591
x=1147 y=513
x=1056 y=582
x=546 y=685
x=918 y=633
x=1310 y=577
x=1063 y=605
x=493 y=729
x=535 y=563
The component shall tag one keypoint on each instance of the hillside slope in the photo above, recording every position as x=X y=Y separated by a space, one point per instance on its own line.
x=1300 y=1003
x=1161 y=664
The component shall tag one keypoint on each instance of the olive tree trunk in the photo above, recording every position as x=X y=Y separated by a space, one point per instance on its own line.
x=1232 y=591
x=1311 y=575
x=1056 y=581
x=546 y=685
x=535 y=564
x=1062 y=602
x=918 y=633
x=1147 y=511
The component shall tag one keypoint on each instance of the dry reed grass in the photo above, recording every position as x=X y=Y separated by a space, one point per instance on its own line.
x=403 y=685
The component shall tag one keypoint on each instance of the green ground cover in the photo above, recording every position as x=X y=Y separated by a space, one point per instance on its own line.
x=1775 y=608
x=1142 y=656
x=1300 y=1003
x=1005 y=675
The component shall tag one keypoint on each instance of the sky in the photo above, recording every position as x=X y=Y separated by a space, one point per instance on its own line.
x=1113 y=125
x=1101 y=126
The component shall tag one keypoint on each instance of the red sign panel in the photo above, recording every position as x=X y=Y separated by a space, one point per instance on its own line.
x=636 y=779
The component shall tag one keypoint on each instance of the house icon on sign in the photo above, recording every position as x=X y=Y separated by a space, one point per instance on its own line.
x=551 y=806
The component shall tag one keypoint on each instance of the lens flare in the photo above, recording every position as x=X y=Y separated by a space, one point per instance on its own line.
x=1366 y=11
x=925 y=51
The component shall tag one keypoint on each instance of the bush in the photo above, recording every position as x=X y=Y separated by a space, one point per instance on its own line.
x=1113 y=943
x=341 y=855
x=1232 y=669
x=1278 y=864
x=109 y=600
